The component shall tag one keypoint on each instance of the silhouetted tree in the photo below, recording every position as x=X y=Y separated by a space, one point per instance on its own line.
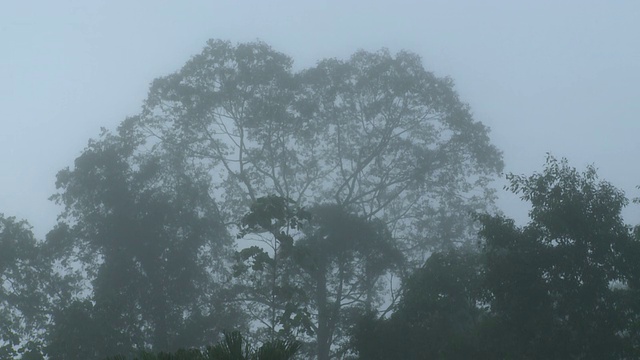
x=152 y=244
x=438 y=317
x=234 y=347
x=376 y=133
x=25 y=276
x=342 y=258
x=565 y=286
x=273 y=295
x=313 y=287
x=560 y=287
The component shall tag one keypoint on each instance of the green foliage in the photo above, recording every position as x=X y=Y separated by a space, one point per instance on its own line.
x=277 y=350
x=376 y=132
x=140 y=258
x=342 y=258
x=567 y=267
x=438 y=316
x=275 y=215
x=276 y=299
x=309 y=288
x=25 y=278
x=564 y=286
x=233 y=347
x=150 y=239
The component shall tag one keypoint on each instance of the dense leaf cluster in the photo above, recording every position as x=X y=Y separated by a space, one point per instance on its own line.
x=565 y=286
x=233 y=347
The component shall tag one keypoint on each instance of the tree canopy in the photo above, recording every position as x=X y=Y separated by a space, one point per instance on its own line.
x=25 y=281
x=152 y=244
x=561 y=287
x=376 y=133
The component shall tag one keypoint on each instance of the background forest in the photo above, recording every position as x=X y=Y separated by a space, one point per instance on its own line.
x=347 y=206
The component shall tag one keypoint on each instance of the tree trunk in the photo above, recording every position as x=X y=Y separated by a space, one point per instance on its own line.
x=323 y=334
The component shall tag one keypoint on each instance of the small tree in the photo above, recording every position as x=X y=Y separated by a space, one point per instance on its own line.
x=25 y=276
x=274 y=298
x=234 y=347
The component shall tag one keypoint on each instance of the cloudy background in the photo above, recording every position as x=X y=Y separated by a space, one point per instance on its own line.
x=546 y=76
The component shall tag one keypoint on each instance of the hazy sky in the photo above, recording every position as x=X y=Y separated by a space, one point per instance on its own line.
x=546 y=76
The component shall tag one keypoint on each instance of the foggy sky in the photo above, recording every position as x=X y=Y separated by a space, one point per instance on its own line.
x=546 y=77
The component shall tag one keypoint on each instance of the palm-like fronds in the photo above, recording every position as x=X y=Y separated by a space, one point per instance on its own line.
x=277 y=350
x=232 y=348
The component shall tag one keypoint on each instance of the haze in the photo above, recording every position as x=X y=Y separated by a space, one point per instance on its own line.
x=545 y=76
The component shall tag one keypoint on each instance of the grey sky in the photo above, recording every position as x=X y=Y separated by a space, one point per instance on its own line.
x=546 y=76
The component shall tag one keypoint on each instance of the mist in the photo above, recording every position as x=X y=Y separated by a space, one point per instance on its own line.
x=124 y=132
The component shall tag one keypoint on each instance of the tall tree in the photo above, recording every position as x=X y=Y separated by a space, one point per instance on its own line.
x=313 y=286
x=377 y=133
x=151 y=241
x=341 y=259
x=395 y=142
